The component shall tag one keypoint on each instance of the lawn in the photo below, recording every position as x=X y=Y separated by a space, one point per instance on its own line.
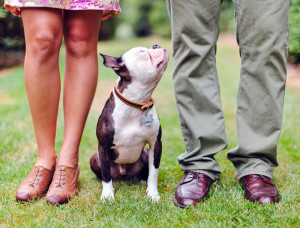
x=226 y=206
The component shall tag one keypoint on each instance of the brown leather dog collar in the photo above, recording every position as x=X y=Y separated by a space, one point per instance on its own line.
x=142 y=106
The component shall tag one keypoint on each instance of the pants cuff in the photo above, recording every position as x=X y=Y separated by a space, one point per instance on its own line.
x=213 y=176
x=257 y=172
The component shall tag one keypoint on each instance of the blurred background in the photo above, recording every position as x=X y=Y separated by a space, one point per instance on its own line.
x=138 y=19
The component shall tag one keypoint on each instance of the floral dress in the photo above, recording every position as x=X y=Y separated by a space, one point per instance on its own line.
x=110 y=7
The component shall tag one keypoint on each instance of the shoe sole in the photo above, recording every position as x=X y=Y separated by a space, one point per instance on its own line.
x=178 y=204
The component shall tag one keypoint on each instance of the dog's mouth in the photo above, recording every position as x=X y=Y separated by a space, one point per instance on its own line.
x=157 y=56
x=163 y=60
x=160 y=63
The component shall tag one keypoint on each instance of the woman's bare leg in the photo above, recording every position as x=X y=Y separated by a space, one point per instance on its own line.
x=81 y=29
x=43 y=34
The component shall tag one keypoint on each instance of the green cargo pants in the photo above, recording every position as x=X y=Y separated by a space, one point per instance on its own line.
x=262 y=34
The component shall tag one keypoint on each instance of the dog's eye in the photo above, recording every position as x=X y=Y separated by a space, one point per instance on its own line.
x=142 y=51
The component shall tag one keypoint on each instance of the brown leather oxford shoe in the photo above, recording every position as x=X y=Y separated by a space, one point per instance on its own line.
x=64 y=185
x=259 y=188
x=35 y=184
x=192 y=188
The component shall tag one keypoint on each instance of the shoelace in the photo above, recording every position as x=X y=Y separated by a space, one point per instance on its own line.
x=61 y=173
x=263 y=178
x=199 y=176
x=38 y=171
x=195 y=175
x=191 y=176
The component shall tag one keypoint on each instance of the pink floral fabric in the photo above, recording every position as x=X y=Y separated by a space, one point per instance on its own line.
x=110 y=7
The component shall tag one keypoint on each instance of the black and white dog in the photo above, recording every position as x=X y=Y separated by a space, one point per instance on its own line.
x=129 y=122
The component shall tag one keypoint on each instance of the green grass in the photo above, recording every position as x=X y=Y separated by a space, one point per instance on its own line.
x=226 y=206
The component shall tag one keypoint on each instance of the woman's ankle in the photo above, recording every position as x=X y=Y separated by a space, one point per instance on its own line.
x=48 y=162
x=69 y=160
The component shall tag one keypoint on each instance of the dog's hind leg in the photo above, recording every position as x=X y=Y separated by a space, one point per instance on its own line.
x=95 y=165
x=154 y=161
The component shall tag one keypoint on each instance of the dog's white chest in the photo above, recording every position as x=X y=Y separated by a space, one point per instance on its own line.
x=130 y=135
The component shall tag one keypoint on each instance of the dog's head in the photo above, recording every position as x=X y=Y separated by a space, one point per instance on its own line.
x=140 y=64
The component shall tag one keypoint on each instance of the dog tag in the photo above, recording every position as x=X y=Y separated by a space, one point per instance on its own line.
x=146 y=119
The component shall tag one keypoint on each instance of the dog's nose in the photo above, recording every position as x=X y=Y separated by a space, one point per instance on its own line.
x=155 y=46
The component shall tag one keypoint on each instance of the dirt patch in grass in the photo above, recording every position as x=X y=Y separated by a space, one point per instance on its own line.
x=6 y=71
x=293 y=76
x=228 y=40
x=5 y=100
x=103 y=91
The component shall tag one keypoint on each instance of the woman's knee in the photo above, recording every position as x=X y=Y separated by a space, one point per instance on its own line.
x=43 y=32
x=79 y=41
x=44 y=44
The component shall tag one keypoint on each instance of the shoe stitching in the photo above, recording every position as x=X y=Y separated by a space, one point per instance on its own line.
x=195 y=175
x=61 y=173
x=38 y=173
x=259 y=177
x=199 y=178
x=256 y=197
x=199 y=198
x=203 y=180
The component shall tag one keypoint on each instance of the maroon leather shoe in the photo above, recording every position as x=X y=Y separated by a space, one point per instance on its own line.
x=259 y=188
x=192 y=188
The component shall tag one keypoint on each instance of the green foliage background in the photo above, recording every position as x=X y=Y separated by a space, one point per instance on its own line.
x=143 y=18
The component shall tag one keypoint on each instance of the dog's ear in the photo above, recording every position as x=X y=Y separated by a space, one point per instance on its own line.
x=112 y=62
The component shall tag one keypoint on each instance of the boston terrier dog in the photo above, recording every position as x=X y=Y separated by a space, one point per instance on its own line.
x=129 y=122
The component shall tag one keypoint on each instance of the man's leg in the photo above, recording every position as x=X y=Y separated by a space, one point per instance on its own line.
x=195 y=29
x=262 y=32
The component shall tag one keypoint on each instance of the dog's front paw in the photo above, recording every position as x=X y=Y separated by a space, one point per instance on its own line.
x=107 y=196
x=153 y=196
x=107 y=191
